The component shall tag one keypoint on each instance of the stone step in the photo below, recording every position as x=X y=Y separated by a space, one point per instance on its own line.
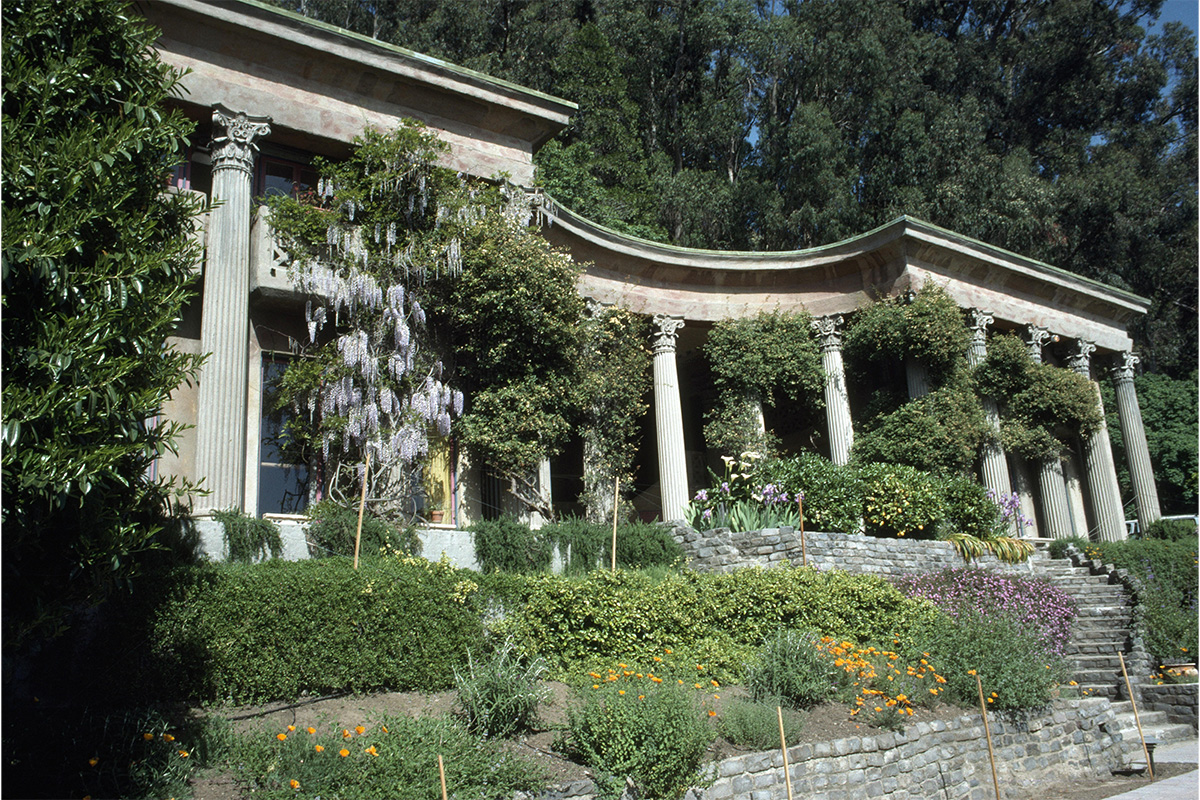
x=1092 y=633
x=1155 y=725
x=1097 y=661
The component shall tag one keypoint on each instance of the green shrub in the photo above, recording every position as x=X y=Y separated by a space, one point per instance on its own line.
x=247 y=633
x=657 y=738
x=394 y=757
x=641 y=545
x=755 y=725
x=1016 y=670
x=508 y=545
x=1172 y=530
x=899 y=500
x=332 y=529
x=248 y=538
x=792 y=670
x=715 y=619
x=967 y=508
x=833 y=495
x=498 y=694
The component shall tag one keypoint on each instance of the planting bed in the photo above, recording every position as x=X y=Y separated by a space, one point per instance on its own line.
x=825 y=723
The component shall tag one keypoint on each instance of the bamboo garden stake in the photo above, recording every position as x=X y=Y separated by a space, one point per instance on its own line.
x=1136 y=718
x=803 y=549
x=987 y=730
x=442 y=775
x=362 y=504
x=616 y=486
x=787 y=781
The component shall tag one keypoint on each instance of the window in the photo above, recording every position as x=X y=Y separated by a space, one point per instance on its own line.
x=278 y=176
x=282 y=481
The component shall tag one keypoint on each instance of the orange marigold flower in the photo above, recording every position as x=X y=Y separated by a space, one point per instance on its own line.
x=168 y=737
x=383 y=728
x=371 y=750
x=312 y=729
x=291 y=728
x=319 y=748
x=295 y=784
x=345 y=733
x=595 y=686
x=281 y=736
x=360 y=730
x=183 y=754
x=667 y=650
x=620 y=691
x=641 y=697
x=714 y=683
x=712 y=713
x=343 y=752
x=970 y=672
x=147 y=736
x=93 y=761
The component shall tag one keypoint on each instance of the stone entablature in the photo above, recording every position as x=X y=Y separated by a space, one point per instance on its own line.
x=322 y=85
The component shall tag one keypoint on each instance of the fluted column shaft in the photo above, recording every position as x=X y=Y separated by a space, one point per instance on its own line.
x=916 y=374
x=1099 y=466
x=993 y=465
x=1055 y=507
x=1136 y=450
x=668 y=418
x=225 y=319
x=837 y=398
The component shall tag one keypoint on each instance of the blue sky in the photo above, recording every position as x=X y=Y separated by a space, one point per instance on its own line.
x=1185 y=11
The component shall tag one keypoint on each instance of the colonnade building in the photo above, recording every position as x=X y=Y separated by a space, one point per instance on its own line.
x=269 y=90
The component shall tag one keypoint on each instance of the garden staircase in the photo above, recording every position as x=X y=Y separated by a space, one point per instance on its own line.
x=1103 y=628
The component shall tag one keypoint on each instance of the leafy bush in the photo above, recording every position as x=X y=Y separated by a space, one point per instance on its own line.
x=967 y=507
x=833 y=495
x=641 y=545
x=393 y=756
x=657 y=737
x=498 y=694
x=247 y=633
x=508 y=545
x=792 y=670
x=248 y=538
x=1172 y=530
x=755 y=725
x=1016 y=670
x=940 y=432
x=899 y=500
x=715 y=619
x=332 y=529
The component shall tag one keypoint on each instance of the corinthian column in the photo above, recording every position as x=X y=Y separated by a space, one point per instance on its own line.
x=225 y=320
x=668 y=418
x=1134 y=433
x=837 y=398
x=993 y=465
x=1098 y=459
x=1056 y=510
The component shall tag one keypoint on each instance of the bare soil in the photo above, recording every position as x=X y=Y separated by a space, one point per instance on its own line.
x=821 y=724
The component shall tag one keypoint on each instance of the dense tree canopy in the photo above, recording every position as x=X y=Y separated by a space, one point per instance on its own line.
x=1063 y=131
x=97 y=266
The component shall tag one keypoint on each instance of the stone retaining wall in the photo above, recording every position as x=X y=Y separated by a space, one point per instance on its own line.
x=1071 y=739
x=1177 y=700
x=721 y=550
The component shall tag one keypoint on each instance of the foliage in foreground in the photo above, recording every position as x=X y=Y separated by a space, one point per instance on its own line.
x=656 y=733
x=394 y=756
x=498 y=694
x=97 y=267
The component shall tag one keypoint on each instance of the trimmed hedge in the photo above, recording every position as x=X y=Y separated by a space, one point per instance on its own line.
x=718 y=620
x=248 y=633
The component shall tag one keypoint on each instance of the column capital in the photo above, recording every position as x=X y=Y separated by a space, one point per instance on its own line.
x=1122 y=371
x=1080 y=360
x=1035 y=337
x=979 y=322
x=830 y=330
x=666 y=333
x=233 y=144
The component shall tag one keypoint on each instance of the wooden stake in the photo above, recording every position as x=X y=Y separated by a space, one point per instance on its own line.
x=442 y=775
x=783 y=746
x=616 y=496
x=362 y=504
x=1136 y=718
x=987 y=730
x=803 y=549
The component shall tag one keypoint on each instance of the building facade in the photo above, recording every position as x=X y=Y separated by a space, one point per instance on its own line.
x=270 y=90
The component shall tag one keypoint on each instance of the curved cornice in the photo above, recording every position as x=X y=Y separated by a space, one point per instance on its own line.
x=652 y=277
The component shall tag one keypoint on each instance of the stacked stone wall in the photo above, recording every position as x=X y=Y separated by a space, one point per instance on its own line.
x=721 y=550
x=1178 y=701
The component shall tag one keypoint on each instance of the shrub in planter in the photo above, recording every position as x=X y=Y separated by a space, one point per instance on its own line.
x=508 y=545
x=332 y=529
x=248 y=538
x=833 y=495
x=899 y=500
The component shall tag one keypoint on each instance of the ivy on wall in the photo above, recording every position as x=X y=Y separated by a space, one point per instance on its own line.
x=770 y=359
x=1040 y=404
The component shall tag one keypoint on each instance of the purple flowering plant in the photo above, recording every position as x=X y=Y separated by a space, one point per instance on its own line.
x=741 y=501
